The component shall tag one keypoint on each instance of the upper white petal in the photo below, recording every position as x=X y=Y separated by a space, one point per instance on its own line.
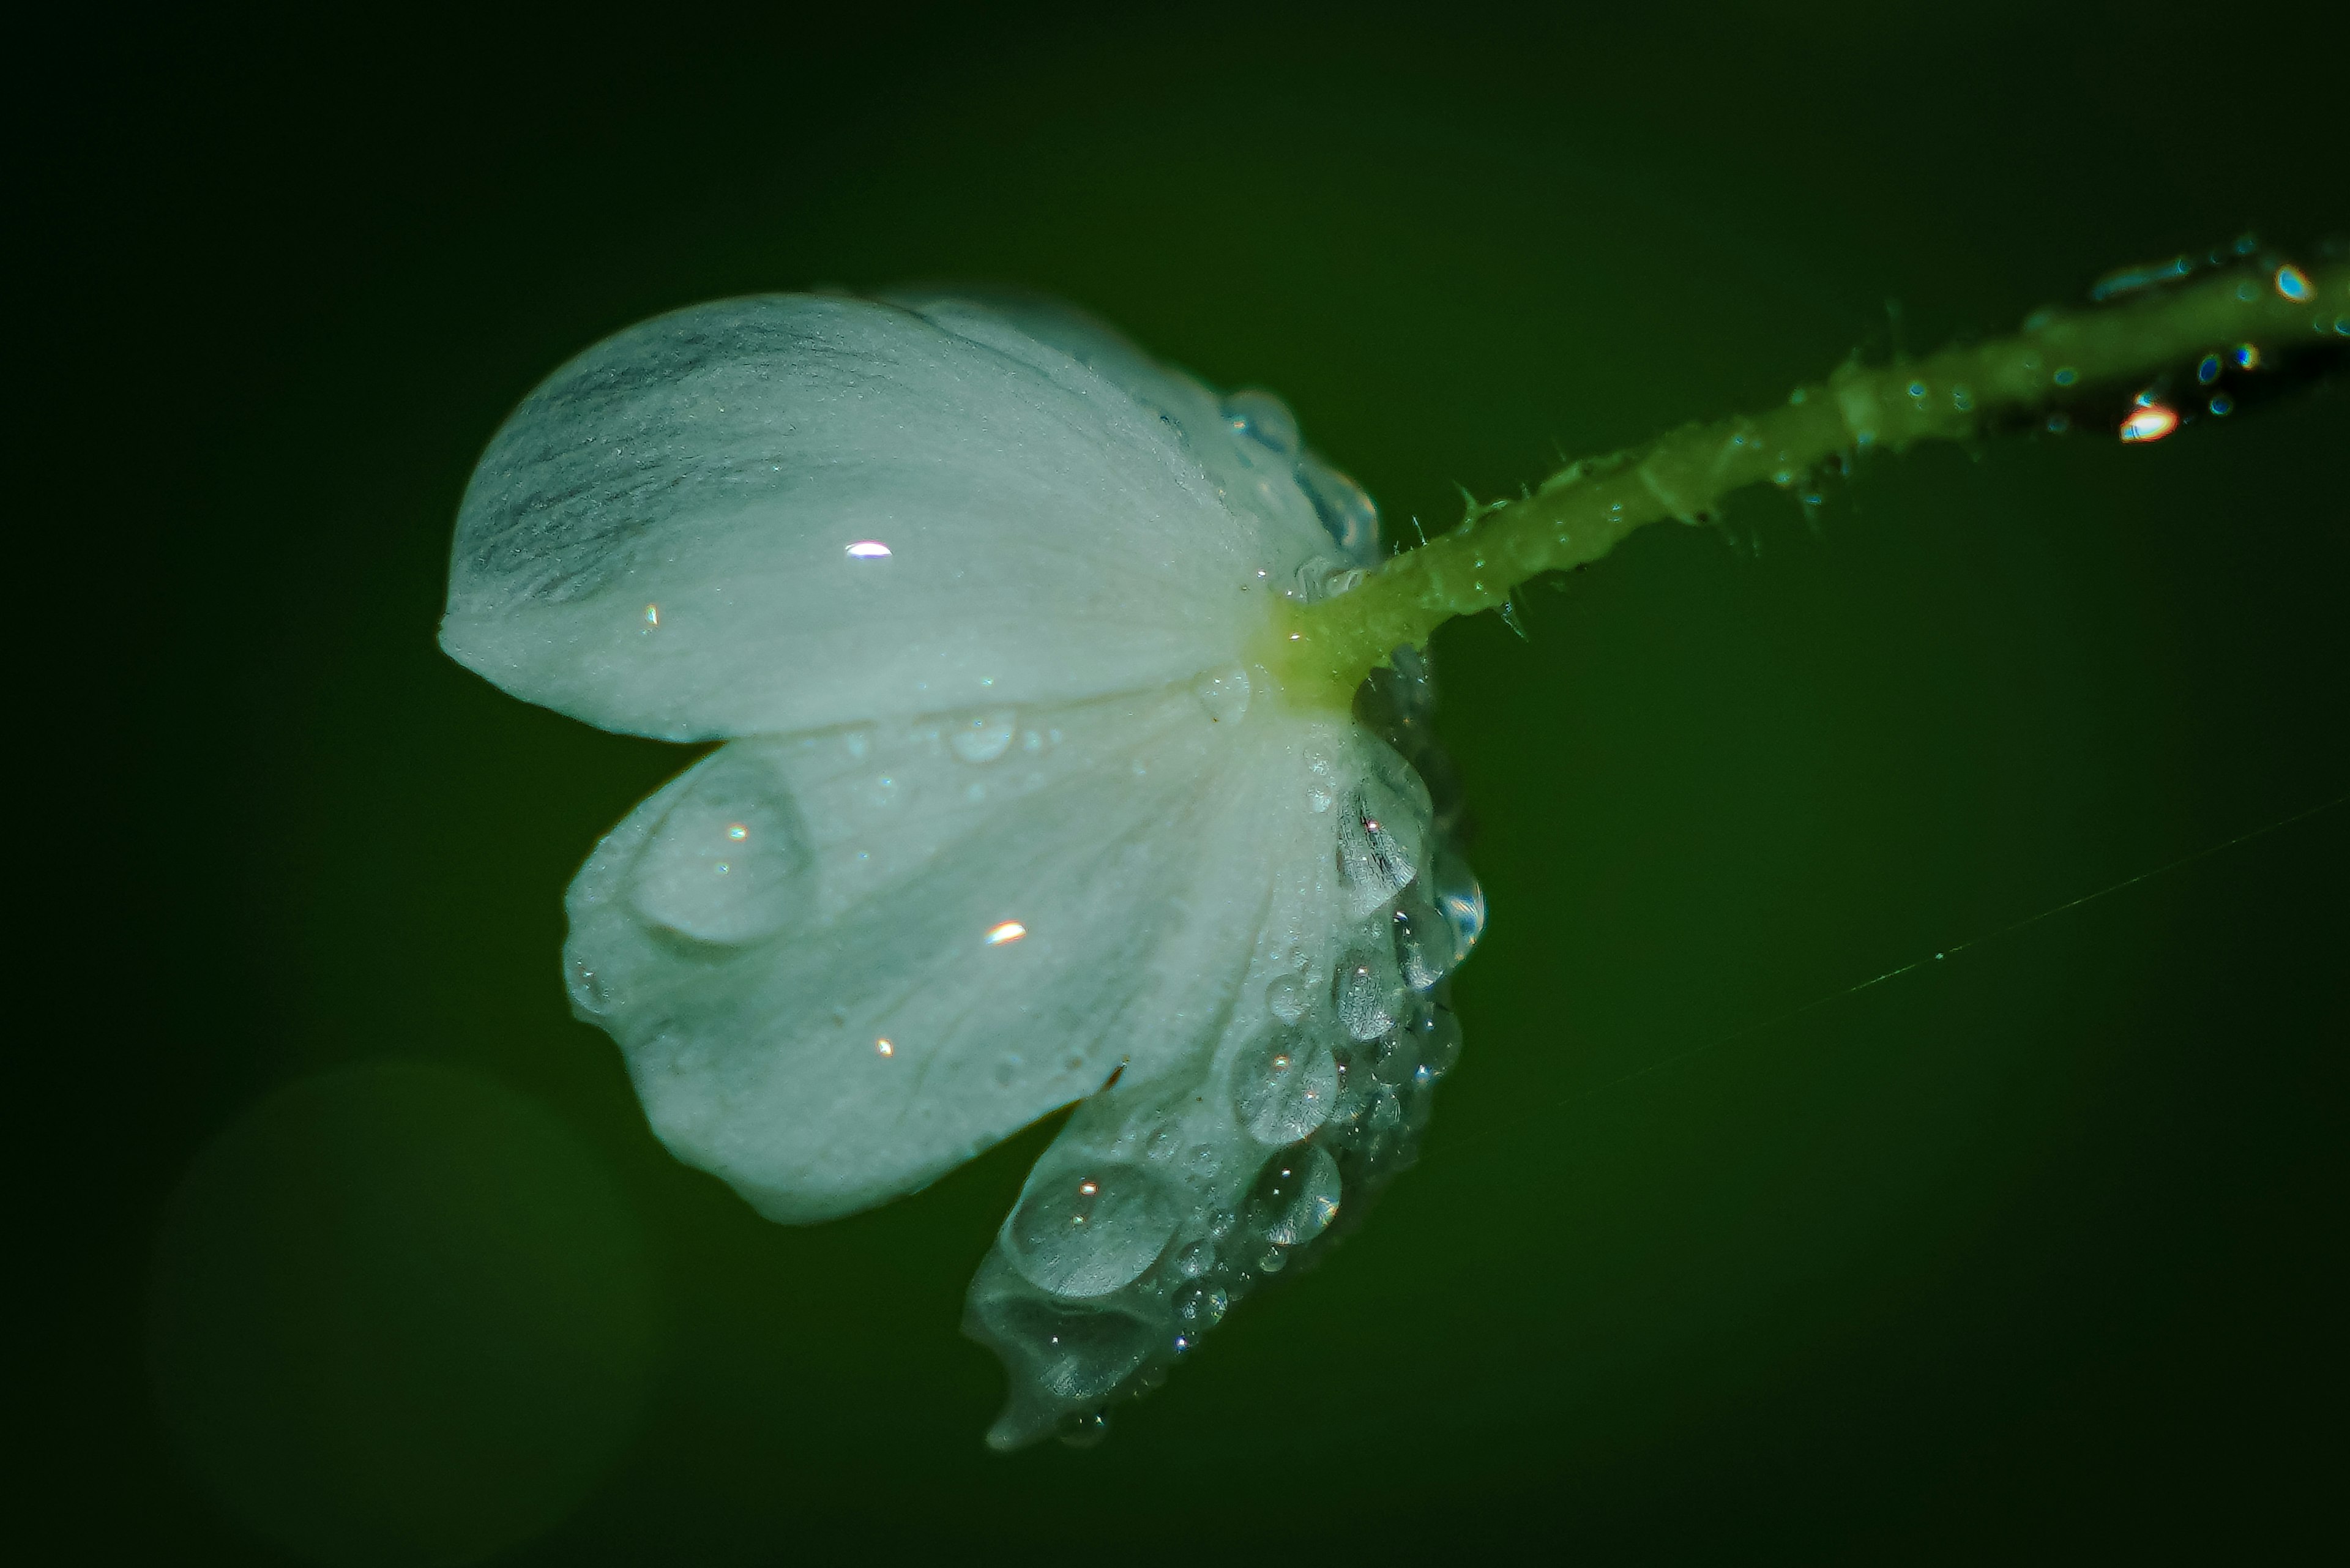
x=660 y=539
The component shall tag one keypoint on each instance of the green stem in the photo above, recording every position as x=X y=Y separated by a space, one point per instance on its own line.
x=1323 y=650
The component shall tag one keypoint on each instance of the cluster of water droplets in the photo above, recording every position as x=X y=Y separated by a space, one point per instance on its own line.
x=1155 y=1213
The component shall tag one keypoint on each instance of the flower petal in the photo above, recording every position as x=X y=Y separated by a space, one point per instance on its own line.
x=787 y=512
x=1168 y=1198
x=842 y=963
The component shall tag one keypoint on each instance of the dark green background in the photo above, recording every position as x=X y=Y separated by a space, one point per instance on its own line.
x=2033 y=1252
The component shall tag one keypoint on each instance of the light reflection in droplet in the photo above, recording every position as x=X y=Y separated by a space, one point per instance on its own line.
x=2150 y=423
x=1009 y=931
x=869 y=550
x=2295 y=284
x=884 y=1048
x=652 y=614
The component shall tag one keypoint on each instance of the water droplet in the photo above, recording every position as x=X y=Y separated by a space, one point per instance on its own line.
x=1196 y=1260
x=2065 y=376
x=1460 y=901
x=1514 y=621
x=2208 y=371
x=1380 y=838
x=730 y=861
x=1296 y=1196
x=2222 y=404
x=1224 y=694
x=1199 y=1308
x=1424 y=943
x=1283 y=1088
x=2295 y=284
x=589 y=995
x=1436 y=1043
x=2150 y=423
x=1260 y=417
x=1368 y=993
x=1346 y=513
x=1086 y=1233
x=1221 y=1223
x=1394 y=1056
x=984 y=737
x=1071 y=1353
x=1286 y=998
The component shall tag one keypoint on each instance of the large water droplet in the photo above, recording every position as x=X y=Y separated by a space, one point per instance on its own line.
x=984 y=737
x=1224 y=694
x=1346 y=513
x=1424 y=943
x=1381 y=836
x=1260 y=417
x=1368 y=992
x=1283 y=1088
x=1071 y=1353
x=730 y=861
x=1460 y=901
x=1085 y=1232
x=1296 y=1196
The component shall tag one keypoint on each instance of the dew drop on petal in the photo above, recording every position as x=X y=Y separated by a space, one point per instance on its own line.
x=1368 y=993
x=1460 y=901
x=1199 y=1307
x=1423 y=942
x=1380 y=838
x=1286 y=998
x=984 y=737
x=1264 y=419
x=1073 y=1354
x=1296 y=1196
x=1435 y=1038
x=1086 y=1233
x=730 y=862
x=1284 y=1087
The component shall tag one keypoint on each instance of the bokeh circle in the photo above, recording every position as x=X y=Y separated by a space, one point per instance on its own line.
x=401 y=1316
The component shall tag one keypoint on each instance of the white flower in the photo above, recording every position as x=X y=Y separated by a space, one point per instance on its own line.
x=1006 y=818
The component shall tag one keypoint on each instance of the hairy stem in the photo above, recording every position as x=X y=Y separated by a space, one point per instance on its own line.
x=1326 y=648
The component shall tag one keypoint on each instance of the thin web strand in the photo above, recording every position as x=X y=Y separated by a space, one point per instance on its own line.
x=1891 y=974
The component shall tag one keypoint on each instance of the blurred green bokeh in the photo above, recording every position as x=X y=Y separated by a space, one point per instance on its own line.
x=2032 y=1250
x=399 y=1315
